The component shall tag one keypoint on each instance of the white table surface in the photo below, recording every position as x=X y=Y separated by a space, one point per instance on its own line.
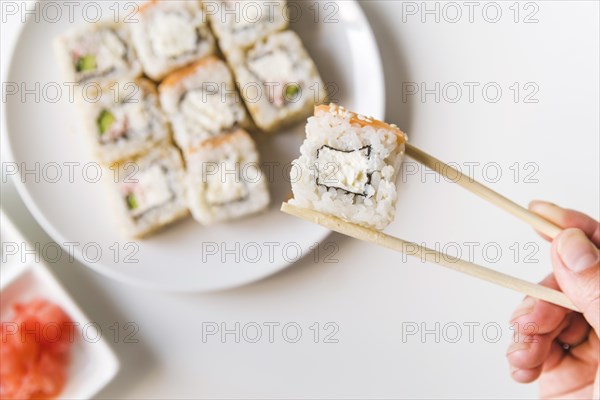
x=370 y=293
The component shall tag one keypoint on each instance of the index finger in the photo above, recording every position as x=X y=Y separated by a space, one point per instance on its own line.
x=567 y=219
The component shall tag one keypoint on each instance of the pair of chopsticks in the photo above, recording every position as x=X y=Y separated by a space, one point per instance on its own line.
x=372 y=236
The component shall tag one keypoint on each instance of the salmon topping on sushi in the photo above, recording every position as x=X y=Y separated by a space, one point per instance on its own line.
x=176 y=77
x=359 y=119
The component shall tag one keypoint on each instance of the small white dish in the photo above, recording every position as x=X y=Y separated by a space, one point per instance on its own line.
x=93 y=364
x=186 y=257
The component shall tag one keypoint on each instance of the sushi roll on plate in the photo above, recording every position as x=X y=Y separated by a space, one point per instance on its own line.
x=149 y=191
x=126 y=121
x=278 y=80
x=241 y=23
x=98 y=53
x=171 y=34
x=201 y=101
x=224 y=180
x=348 y=166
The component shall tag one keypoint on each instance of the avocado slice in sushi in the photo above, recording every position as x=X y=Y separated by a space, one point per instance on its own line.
x=132 y=203
x=291 y=91
x=105 y=120
x=86 y=63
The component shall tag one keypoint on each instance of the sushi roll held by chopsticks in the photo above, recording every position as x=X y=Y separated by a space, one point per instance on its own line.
x=345 y=182
x=171 y=34
x=99 y=53
x=348 y=166
x=127 y=122
x=149 y=192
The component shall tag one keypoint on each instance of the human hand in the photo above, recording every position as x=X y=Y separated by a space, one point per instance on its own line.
x=556 y=345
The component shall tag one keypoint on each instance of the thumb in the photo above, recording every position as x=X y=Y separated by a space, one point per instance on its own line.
x=576 y=263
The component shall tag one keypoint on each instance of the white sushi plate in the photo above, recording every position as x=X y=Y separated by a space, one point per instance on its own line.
x=93 y=364
x=65 y=198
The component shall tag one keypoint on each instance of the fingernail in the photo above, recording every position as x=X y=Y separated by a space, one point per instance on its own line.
x=517 y=346
x=576 y=250
x=525 y=307
x=549 y=210
x=513 y=369
x=535 y=203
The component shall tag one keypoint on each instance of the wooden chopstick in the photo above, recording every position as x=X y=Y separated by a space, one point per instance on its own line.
x=536 y=221
x=424 y=253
